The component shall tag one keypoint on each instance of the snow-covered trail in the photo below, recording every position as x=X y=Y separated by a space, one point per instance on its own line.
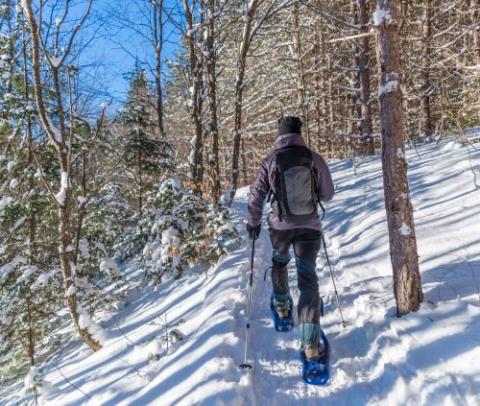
x=427 y=358
x=423 y=358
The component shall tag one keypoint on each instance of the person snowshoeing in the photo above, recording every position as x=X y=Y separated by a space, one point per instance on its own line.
x=295 y=179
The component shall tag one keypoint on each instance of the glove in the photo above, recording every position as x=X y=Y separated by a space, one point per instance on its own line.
x=253 y=231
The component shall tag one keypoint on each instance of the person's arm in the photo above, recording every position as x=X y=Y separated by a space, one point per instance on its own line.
x=326 y=189
x=258 y=192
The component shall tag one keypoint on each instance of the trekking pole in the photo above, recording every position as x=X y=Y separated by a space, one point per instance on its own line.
x=333 y=280
x=245 y=364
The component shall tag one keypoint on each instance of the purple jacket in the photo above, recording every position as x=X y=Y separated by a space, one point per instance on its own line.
x=265 y=180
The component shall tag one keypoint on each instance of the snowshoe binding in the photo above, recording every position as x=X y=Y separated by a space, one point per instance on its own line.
x=282 y=314
x=316 y=370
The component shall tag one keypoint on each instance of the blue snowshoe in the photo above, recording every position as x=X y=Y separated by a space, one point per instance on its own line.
x=317 y=372
x=282 y=314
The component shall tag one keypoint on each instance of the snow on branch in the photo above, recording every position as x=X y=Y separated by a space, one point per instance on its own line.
x=61 y=195
x=381 y=16
x=390 y=85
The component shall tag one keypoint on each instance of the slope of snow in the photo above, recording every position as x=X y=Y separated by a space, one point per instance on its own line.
x=426 y=358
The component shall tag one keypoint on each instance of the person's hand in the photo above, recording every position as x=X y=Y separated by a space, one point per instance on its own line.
x=253 y=231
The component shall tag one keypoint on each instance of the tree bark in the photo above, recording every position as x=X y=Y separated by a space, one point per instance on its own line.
x=213 y=159
x=426 y=122
x=244 y=163
x=475 y=10
x=195 y=67
x=32 y=218
x=301 y=85
x=157 y=8
x=364 y=79
x=403 y=245
x=239 y=86
x=331 y=126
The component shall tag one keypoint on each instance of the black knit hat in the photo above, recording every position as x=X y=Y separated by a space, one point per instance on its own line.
x=290 y=124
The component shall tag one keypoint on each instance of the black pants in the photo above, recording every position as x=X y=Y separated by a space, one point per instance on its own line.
x=306 y=244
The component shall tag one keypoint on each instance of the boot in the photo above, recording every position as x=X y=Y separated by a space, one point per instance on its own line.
x=281 y=307
x=314 y=352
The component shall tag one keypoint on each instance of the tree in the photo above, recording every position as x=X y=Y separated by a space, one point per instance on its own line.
x=29 y=294
x=194 y=78
x=363 y=50
x=210 y=9
x=403 y=245
x=147 y=156
x=426 y=126
x=60 y=136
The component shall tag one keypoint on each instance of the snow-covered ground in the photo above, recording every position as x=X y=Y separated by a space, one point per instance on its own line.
x=431 y=357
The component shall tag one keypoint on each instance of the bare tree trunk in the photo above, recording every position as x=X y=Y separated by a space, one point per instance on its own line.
x=196 y=163
x=322 y=96
x=213 y=159
x=239 y=85
x=320 y=89
x=364 y=79
x=301 y=85
x=475 y=12
x=355 y=130
x=244 y=163
x=32 y=218
x=158 y=24
x=403 y=245
x=331 y=125
x=426 y=122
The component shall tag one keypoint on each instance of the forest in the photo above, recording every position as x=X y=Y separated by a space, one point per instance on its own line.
x=109 y=187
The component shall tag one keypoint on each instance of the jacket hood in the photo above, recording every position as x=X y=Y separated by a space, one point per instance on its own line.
x=288 y=140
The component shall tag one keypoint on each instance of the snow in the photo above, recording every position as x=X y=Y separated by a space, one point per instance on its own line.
x=23 y=4
x=5 y=202
x=405 y=230
x=43 y=279
x=83 y=248
x=27 y=273
x=109 y=265
x=70 y=291
x=9 y=96
x=85 y=322
x=451 y=145
x=388 y=87
x=13 y=183
x=56 y=60
x=380 y=16
x=11 y=166
x=29 y=380
x=424 y=358
x=6 y=269
x=61 y=195
x=82 y=200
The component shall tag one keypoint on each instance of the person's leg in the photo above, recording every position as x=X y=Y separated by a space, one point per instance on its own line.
x=306 y=244
x=281 y=240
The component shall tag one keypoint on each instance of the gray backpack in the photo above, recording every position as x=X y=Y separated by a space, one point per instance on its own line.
x=296 y=183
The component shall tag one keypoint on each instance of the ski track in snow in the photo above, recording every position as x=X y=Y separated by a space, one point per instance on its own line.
x=426 y=358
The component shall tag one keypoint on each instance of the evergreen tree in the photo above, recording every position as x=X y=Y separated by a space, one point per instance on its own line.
x=29 y=281
x=146 y=155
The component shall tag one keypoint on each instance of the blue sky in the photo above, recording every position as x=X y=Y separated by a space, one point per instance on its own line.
x=116 y=44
